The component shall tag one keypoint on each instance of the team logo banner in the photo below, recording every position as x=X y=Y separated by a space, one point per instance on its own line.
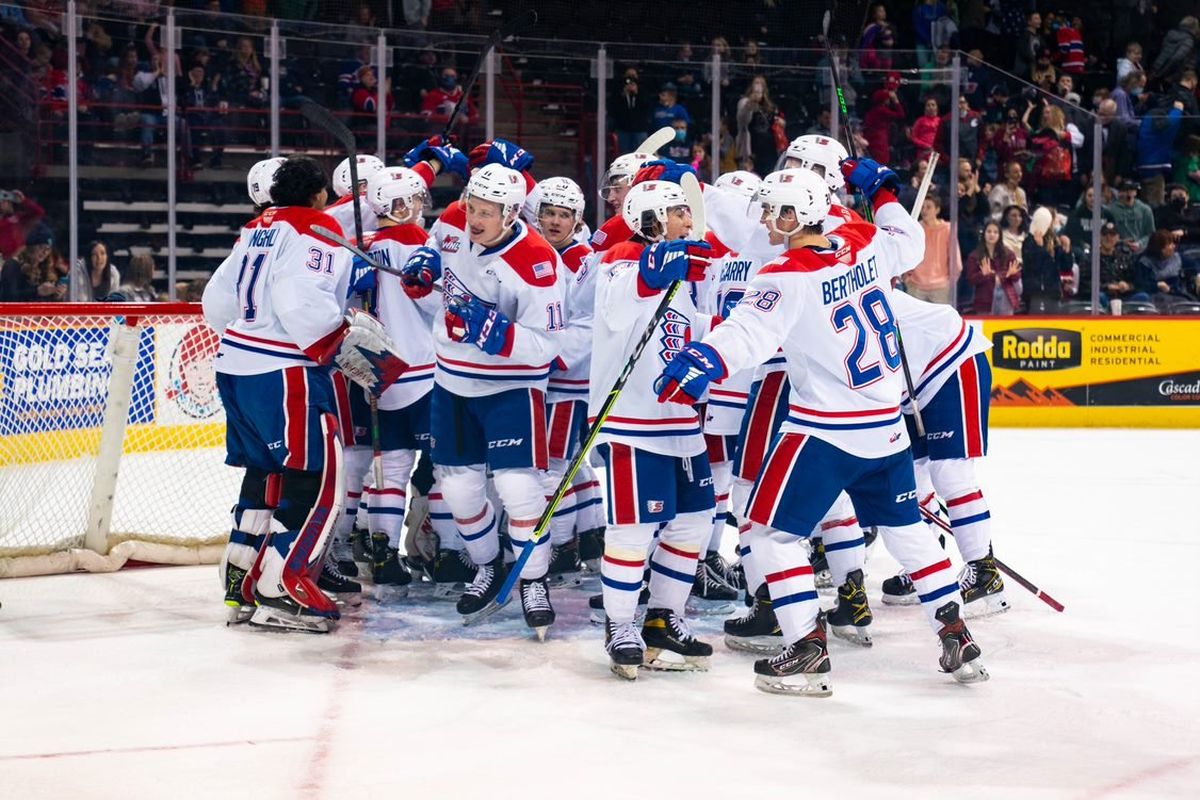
x=1104 y=371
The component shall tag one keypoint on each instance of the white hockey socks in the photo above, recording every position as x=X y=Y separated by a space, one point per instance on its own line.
x=789 y=578
x=562 y=524
x=754 y=575
x=386 y=504
x=673 y=563
x=523 y=495
x=845 y=548
x=916 y=548
x=622 y=568
x=464 y=491
x=970 y=518
x=357 y=461
x=590 y=515
x=722 y=473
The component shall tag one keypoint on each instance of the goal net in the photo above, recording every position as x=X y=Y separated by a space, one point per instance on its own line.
x=111 y=438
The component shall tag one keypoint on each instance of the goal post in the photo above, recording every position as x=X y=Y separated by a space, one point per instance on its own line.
x=111 y=438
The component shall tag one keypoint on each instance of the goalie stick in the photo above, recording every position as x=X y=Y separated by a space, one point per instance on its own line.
x=660 y=138
x=521 y=23
x=1005 y=568
x=851 y=148
x=691 y=190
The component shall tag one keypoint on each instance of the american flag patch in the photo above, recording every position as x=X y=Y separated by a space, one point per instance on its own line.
x=543 y=270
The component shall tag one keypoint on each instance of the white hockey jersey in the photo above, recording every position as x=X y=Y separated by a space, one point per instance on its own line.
x=579 y=292
x=278 y=294
x=408 y=322
x=936 y=341
x=343 y=211
x=519 y=279
x=829 y=311
x=727 y=399
x=622 y=313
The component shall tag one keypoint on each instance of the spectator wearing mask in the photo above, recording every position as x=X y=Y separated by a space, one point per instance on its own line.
x=1009 y=193
x=755 y=116
x=1044 y=259
x=938 y=271
x=1133 y=218
x=440 y=101
x=1129 y=97
x=139 y=285
x=668 y=109
x=679 y=149
x=925 y=129
x=885 y=114
x=1159 y=270
x=1178 y=51
x=1155 y=145
x=18 y=215
x=1116 y=269
x=995 y=274
x=1179 y=217
x=630 y=113
x=31 y=274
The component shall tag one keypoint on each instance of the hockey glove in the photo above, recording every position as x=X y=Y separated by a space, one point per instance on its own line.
x=423 y=267
x=869 y=176
x=503 y=152
x=661 y=170
x=474 y=323
x=688 y=374
x=361 y=349
x=362 y=277
x=663 y=263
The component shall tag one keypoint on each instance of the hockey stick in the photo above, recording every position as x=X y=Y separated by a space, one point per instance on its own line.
x=691 y=190
x=321 y=117
x=923 y=189
x=660 y=138
x=518 y=24
x=341 y=241
x=1007 y=570
x=852 y=149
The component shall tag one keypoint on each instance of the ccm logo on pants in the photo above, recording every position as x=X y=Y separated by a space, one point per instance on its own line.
x=504 y=443
x=906 y=496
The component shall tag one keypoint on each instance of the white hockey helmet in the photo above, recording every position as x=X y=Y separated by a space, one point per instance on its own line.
x=366 y=167
x=740 y=182
x=650 y=201
x=390 y=184
x=561 y=192
x=822 y=155
x=497 y=183
x=259 y=180
x=801 y=190
x=621 y=171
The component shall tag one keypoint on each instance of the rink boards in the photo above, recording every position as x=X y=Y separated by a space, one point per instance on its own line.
x=1072 y=372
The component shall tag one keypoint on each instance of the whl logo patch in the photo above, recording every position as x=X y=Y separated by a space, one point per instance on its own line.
x=1037 y=349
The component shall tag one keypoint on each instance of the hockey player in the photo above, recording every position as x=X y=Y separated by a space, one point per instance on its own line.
x=559 y=218
x=501 y=329
x=655 y=463
x=826 y=303
x=953 y=382
x=259 y=180
x=343 y=208
x=278 y=302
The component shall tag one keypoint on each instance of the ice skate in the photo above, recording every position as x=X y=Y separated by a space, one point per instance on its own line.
x=982 y=588
x=333 y=581
x=960 y=654
x=596 y=610
x=625 y=647
x=591 y=548
x=757 y=631
x=342 y=555
x=535 y=603
x=360 y=545
x=450 y=572
x=239 y=610
x=729 y=574
x=899 y=591
x=386 y=570
x=476 y=601
x=670 y=644
x=281 y=614
x=851 y=618
x=710 y=585
x=800 y=669
x=565 y=563
x=820 y=566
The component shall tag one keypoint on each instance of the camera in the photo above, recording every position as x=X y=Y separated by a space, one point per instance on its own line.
x=7 y=195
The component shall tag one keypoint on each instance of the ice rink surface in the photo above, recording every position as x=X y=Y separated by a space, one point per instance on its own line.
x=130 y=686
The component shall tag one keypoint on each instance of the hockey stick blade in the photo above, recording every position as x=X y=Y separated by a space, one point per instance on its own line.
x=493 y=606
x=690 y=185
x=1007 y=570
x=660 y=138
x=341 y=241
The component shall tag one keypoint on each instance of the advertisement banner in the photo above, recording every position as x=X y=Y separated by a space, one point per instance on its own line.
x=1094 y=371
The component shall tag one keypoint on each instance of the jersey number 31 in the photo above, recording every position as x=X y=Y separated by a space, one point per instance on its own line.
x=861 y=369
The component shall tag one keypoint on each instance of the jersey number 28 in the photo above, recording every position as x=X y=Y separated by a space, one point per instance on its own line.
x=872 y=306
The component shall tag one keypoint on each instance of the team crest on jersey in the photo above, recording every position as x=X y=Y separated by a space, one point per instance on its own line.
x=451 y=244
x=191 y=380
x=654 y=506
x=676 y=332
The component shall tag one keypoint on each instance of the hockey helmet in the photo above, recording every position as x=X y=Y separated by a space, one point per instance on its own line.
x=259 y=180
x=649 y=202
x=801 y=190
x=821 y=154
x=498 y=184
x=621 y=171
x=390 y=184
x=366 y=167
x=740 y=182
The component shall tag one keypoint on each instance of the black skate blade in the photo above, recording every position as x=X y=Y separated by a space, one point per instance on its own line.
x=479 y=616
x=759 y=645
x=627 y=672
x=971 y=671
x=802 y=685
x=852 y=634
x=668 y=661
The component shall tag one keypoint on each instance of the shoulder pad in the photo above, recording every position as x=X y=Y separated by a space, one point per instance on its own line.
x=401 y=234
x=534 y=261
